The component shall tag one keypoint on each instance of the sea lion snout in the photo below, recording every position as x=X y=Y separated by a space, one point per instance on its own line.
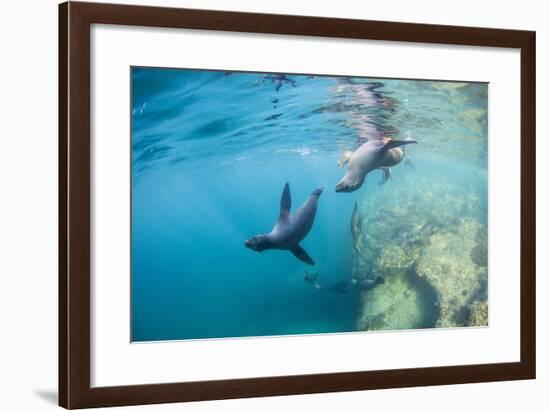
x=349 y=183
x=254 y=243
x=317 y=192
x=341 y=187
x=344 y=186
x=258 y=243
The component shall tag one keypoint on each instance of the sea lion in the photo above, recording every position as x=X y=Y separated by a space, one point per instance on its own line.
x=409 y=164
x=279 y=79
x=342 y=286
x=289 y=230
x=373 y=154
x=367 y=284
x=386 y=175
x=376 y=148
x=356 y=229
x=347 y=285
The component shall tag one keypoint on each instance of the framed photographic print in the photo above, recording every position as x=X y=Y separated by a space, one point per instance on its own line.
x=255 y=205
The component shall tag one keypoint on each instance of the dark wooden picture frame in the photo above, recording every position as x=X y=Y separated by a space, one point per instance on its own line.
x=75 y=20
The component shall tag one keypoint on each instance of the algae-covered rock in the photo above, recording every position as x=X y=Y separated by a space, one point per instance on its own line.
x=394 y=258
x=478 y=313
x=447 y=266
x=479 y=253
x=392 y=306
x=430 y=245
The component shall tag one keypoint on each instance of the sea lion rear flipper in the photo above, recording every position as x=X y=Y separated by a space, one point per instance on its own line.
x=409 y=164
x=301 y=254
x=285 y=202
x=355 y=221
x=396 y=143
x=356 y=228
x=386 y=176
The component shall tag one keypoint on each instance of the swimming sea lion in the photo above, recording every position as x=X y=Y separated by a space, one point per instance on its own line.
x=347 y=285
x=373 y=154
x=279 y=79
x=342 y=286
x=409 y=164
x=289 y=230
x=367 y=284
x=356 y=229
x=386 y=175
x=376 y=148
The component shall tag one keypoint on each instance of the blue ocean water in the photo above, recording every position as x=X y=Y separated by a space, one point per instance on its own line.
x=211 y=152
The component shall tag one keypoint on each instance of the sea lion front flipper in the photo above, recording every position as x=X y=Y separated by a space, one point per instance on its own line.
x=285 y=203
x=396 y=143
x=301 y=254
x=386 y=176
x=344 y=158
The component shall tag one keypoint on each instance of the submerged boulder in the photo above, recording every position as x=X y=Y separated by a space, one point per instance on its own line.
x=446 y=265
x=405 y=301
x=391 y=306
x=430 y=245
x=478 y=313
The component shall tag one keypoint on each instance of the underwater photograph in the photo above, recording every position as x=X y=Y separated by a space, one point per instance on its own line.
x=271 y=204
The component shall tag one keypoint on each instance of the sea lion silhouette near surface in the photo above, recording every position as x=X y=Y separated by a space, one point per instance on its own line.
x=289 y=230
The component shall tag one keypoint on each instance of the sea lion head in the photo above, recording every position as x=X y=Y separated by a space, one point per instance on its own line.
x=379 y=280
x=349 y=183
x=258 y=243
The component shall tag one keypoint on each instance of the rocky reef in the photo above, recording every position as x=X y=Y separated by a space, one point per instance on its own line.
x=478 y=313
x=428 y=239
